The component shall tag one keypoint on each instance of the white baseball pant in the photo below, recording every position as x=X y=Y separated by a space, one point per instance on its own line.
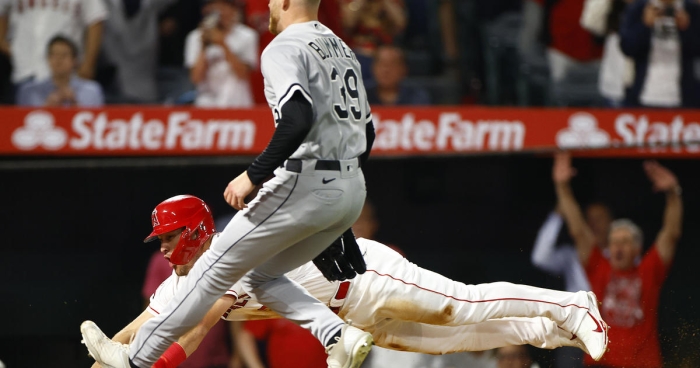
x=406 y=307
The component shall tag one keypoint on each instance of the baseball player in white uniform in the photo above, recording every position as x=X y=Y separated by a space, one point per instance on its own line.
x=404 y=306
x=324 y=131
x=33 y=23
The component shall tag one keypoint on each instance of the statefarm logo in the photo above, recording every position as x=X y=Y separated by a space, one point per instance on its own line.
x=582 y=132
x=451 y=132
x=39 y=130
x=97 y=131
x=632 y=131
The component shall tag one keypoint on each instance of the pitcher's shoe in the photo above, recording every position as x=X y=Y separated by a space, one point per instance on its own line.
x=351 y=348
x=110 y=354
x=593 y=331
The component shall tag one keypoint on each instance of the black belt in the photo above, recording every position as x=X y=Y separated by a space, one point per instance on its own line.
x=294 y=165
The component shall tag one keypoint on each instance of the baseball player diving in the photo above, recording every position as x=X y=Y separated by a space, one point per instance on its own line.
x=402 y=305
x=324 y=133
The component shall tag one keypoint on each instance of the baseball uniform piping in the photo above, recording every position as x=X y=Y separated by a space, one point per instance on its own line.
x=287 y=95
x=474 y=301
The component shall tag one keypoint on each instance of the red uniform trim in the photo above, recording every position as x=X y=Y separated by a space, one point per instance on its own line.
x=474 y=301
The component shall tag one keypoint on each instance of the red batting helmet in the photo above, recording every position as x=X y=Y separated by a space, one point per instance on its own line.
x=187 y=212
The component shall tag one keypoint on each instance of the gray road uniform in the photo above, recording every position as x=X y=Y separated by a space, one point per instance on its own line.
x=324 y=131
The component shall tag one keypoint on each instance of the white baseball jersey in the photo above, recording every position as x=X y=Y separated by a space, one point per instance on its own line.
x=404 y=306
x=309 y=58
x=221 y=87
x=243 y=306
x=34 y=22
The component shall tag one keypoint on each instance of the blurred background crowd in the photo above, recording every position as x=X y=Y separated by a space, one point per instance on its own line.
x=603 y=53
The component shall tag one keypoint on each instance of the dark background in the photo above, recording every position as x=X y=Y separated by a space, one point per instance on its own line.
x=71 y=238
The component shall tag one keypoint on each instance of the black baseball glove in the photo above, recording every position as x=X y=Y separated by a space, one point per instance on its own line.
x=342 y=260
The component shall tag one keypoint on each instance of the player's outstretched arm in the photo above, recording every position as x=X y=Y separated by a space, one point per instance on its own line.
x=562 y=172
x=124 y=336
x=664 y=180
x=189 y=342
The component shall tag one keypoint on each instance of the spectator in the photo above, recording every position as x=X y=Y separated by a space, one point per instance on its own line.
x=563 y=261
x=514 y=357
x=7 y=93
x=602 y=18
x=628 y=284
x=131 y=46
x=371 y=23
x=221 y=53
x=176 y=22
x=35 y=23
x=63 y=87
x=390 y=71
x=572 y=53
x=662 y=38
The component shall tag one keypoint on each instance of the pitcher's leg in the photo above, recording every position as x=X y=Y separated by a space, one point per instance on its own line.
x=289 y=299
x=253 y=236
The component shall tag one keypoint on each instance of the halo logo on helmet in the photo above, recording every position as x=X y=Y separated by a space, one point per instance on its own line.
x=188 y=213
x=154 y=218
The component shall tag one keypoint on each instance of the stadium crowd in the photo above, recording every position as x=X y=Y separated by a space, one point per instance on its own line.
x=602 y=53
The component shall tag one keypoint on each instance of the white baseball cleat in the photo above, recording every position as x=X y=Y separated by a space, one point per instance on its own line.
x=593 y=331
x=351 y=348
x=567 y=338
x=110 y=354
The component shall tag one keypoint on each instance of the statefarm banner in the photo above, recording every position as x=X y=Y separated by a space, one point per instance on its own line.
x=405 y=131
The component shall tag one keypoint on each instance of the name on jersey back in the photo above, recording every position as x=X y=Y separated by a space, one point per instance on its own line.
x=332 y=47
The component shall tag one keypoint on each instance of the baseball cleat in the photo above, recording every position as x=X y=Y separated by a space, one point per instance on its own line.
x=351 y=348
x=110 y=354
x=593 y=331
x=567 y=338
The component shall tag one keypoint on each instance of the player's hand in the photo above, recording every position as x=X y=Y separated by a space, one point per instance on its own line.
x=562 y=172
x=237 y=190
x=661 y=178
